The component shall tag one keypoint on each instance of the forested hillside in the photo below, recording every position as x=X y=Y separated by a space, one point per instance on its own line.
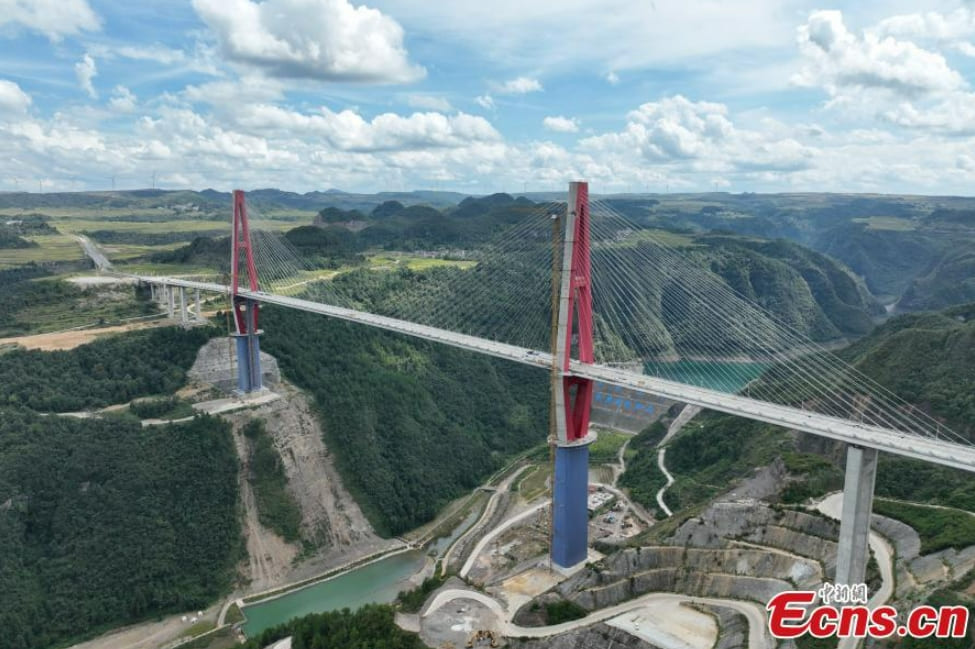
x=110 y=370
x=910 y=247
x=103 y=522
x=370 y=627
x=802 y=288
x=925 y=358
x=413 y=424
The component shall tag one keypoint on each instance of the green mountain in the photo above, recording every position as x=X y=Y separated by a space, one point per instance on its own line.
x=105 y=523
x=950 y=280
x=925 y=358
x=897 y=244
x=412 y=424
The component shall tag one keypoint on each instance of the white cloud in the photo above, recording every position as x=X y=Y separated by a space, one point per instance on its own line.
x=671 y=142
x=612 y=78
x=86 y=70
x=616 y=35
x=12 y=98
x=122 y=100
x=485 y=101
x=349 y=131
x=318 y=39
x=228 y=94
x=698 y=136
x=930 y=25
x=952 y=115
x=157 y=53
x=519 y=86
x=431 y=102
x=965 y=48
x=53 y=18
x=561 y=124
x=838 y=60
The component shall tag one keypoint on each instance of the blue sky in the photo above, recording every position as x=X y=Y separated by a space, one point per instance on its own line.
x=692 y=95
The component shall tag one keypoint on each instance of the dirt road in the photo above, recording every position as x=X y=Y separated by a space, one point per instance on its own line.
x=75 y=337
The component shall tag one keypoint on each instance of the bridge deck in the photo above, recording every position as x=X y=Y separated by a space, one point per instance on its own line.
x=938 y=451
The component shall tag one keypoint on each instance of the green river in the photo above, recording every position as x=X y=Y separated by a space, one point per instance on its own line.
x=375 y=582
x=382 y=580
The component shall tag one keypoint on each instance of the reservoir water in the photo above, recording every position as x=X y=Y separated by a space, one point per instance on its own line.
x=376 y=582
x=725 y=377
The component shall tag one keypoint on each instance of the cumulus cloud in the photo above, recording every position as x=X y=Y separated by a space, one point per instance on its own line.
x=880 y=75
x=561 y=124
x=431 y=102
x=122 y=100
x=836 y=59
x=349 y=131
x=519 y=86
x=86 y=70
x=12 y=98
x=951 y=115
x=671 y=142
x=698 y=135
x=929 y=25
x=53 y=18
x=329 y=40
x=229 y=93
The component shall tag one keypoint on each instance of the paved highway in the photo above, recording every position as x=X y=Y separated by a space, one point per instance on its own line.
x=755 y=614
x=938 y=451
x=100 y=260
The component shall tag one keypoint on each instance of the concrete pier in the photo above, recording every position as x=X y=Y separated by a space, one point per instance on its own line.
x=853 y=551
x=570 y=495
x=170 y=301
x=249 y=375
x=183 y=319
x=198 y=305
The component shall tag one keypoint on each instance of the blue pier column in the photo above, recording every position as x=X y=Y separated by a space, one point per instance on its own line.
x=248 y=363
x=570 y=496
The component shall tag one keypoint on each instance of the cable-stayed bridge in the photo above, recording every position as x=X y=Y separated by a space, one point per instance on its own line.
x=588 y=295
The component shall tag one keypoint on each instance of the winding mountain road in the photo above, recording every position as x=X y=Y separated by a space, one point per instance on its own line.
x=683 y=417
x=832 y=506
x=755 y=614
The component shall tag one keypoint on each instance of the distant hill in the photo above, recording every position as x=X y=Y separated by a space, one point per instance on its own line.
x=210 y=200
x=902 y=246
x=911 y=251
